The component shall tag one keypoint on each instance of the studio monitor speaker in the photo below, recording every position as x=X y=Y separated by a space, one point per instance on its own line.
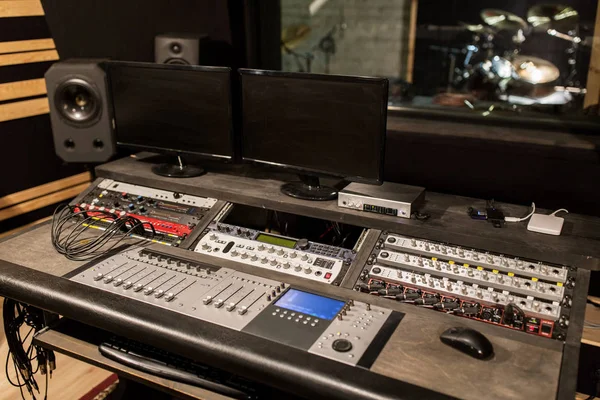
x=80 y=111
x=178 y=48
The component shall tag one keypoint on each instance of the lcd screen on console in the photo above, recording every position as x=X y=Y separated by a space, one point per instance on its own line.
x=310 y=304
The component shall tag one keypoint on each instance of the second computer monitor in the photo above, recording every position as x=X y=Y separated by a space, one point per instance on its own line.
x=316 y=125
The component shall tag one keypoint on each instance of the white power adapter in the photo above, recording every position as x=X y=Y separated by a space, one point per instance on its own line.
x=548 y=224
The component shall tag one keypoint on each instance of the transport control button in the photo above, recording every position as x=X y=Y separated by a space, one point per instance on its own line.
x=341 y=345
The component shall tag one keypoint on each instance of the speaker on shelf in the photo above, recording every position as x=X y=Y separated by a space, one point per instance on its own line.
x=80 y=111
x=178 y=48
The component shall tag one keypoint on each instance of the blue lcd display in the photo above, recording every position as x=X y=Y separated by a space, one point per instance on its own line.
x=310 y=304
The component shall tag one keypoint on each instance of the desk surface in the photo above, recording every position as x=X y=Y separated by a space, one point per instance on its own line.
x=414 y=353
x=578 y=246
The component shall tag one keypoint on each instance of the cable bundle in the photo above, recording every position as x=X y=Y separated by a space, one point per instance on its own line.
x=15 y=315
x=71 y=235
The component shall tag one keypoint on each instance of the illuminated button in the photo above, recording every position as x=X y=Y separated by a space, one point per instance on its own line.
x=313 y=324
x=281 y=315
x=159 y=293
x=290 y=317
x=327 y=275
x=305 y=322
x=316 y=321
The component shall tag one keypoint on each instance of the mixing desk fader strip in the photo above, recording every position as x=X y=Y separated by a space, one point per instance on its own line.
x=339 y=329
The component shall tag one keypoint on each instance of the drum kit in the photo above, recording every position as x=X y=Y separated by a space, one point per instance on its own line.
x=513 y=77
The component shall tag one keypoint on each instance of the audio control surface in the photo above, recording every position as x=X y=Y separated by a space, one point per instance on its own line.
x=500 y=289
x=336 y=328
x=299 y=257
x=172 y=215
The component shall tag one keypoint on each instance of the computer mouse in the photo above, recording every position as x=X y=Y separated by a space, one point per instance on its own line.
x=468 y=341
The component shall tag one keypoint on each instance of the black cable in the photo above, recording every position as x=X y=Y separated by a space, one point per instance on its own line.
x=15 y=316
x=73 y=237
x=421 y=216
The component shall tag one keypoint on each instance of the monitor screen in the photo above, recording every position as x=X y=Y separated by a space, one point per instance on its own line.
x=174 y=109
x=325 y=124
x=310 y=304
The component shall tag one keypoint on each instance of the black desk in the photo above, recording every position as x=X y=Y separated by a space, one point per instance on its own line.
x=413 y=364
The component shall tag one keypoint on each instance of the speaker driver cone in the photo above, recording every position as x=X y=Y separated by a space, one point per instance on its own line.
x=78 y=102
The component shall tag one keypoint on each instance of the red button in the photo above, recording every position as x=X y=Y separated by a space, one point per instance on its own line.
x=532 y=328
x=328 y=275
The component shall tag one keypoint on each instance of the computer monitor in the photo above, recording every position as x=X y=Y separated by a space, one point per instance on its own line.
x=174 y=109
x=316 y=125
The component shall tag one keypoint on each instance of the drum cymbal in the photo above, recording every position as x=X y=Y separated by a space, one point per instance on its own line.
x=503 y=20
x=553 y=16
x=478 y=28
x=294 y=35
x=534 y=70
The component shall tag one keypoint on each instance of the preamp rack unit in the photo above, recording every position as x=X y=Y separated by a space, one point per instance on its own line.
x=173 y=215
x=516 y=293
x=299 y=257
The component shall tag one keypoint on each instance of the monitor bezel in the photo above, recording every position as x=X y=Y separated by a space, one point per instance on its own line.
x=174 y=67
x=336 y=78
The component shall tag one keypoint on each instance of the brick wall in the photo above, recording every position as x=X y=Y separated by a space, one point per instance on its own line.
x=374 y=43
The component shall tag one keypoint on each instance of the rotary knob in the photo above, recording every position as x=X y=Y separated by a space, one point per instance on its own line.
x=293 y=255
x=273 y=262
x=264 y=260
x=298 y=268
x=406 y=258
x=307 y=270
x=271 y=250
x=205 y=246
x=444 y=250
x=302 y=244
x=413 y=242
x=475 y=256
x=280 y=252
x=461 y=253
x=426 y=246
x=253 y=258
x=489 y=258
x=213 y=237
x=235 y=253
x=261 y=247
x=341 y=345
x=304 y=257
x=286 y=265
x=244 y=255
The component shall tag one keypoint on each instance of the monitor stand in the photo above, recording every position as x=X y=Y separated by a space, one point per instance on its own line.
x=309 y=189
x=179 y=170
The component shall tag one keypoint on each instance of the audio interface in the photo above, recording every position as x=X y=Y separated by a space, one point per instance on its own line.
x=336 y=328
x=300 y=257
x=516 y=293
x=172 y=215
x=388 y=199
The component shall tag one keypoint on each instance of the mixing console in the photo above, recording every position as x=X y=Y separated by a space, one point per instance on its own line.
x=336 y=328
x=520 y=294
